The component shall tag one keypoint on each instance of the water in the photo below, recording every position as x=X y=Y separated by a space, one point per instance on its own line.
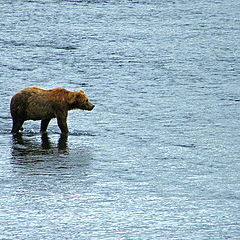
x=158 y=157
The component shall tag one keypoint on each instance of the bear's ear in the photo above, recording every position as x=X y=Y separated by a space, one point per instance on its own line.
x=82 y=92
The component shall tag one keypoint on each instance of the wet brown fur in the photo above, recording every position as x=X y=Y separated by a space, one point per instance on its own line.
x=34 y=103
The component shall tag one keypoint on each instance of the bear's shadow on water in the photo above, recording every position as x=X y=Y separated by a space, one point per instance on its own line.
x=29 y=145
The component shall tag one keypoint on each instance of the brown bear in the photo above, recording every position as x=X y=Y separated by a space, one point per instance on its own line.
x=34 y=103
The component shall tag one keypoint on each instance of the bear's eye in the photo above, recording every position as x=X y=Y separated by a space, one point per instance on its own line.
x=87 y=100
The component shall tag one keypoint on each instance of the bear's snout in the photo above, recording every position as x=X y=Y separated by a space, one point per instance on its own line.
x=91 y=107
x=87 y=106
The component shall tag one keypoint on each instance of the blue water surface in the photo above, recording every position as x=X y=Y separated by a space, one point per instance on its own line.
x=158 y=157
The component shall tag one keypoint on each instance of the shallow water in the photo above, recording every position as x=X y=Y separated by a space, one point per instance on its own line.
x=158 y=157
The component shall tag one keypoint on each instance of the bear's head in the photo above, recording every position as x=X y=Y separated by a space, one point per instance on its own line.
x=80 y=100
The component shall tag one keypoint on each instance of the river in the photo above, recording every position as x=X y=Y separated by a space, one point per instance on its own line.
x=158 y=157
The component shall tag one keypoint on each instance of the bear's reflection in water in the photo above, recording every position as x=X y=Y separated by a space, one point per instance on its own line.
x=47 y=156
x=29 y=145
x=35 y=154
x=62 y=142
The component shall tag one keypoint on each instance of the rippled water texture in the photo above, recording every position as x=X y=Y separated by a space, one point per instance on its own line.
x=158 y=157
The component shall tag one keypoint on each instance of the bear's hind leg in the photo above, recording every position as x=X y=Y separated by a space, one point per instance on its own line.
x=17 y=125
x=44 y=124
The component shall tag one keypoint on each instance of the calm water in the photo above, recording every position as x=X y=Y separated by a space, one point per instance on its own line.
x=159 y=156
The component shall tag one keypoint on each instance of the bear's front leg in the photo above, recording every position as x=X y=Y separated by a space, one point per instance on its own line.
x=61 y=115
x=62 y=123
